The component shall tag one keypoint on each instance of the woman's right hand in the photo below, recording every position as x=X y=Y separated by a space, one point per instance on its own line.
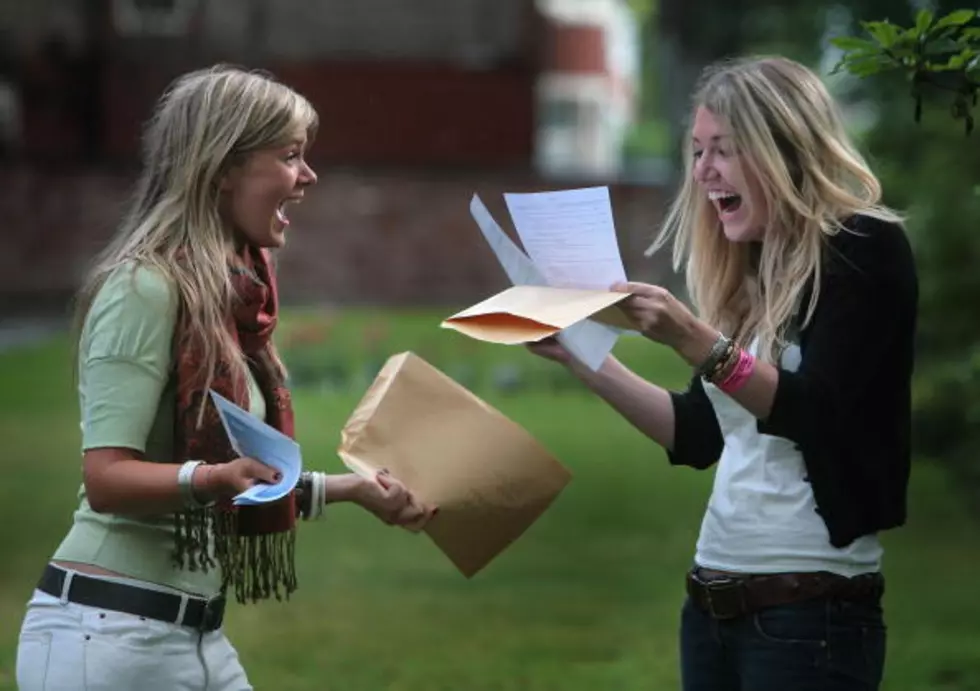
x=221 y=480
x=550 y=349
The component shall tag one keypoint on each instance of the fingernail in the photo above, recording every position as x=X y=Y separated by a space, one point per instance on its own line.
x=277 y=477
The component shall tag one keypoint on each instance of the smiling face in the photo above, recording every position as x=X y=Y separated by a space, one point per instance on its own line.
x=721 y=174
x=258 y=191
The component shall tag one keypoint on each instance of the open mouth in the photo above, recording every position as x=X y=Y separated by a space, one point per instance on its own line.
x=726 y=202
x=281 y=214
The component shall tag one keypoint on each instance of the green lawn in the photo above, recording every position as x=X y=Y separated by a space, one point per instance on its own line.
x=587 y=599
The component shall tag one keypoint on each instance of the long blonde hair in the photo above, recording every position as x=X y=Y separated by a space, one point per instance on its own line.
x=206 y=122
x=788 y=133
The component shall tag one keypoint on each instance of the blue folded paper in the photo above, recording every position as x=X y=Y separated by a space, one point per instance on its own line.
x=250 y=436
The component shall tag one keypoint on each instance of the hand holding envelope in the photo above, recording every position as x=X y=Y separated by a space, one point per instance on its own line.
x=658 y=315
x=489 y=477
x=523 y=314
x=562 y=288
x=388 y=499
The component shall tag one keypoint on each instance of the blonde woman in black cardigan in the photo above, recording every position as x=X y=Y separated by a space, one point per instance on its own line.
x=802 y=349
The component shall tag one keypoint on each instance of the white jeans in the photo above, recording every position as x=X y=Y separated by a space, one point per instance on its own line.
x=69 y=647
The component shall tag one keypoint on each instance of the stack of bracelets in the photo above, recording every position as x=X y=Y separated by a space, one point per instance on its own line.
x=311 y=495
x=311 y=491
x=728 y=366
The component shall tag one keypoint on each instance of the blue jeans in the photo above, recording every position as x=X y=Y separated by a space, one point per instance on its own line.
x=815 y=645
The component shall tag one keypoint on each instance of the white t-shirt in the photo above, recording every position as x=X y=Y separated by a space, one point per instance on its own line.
x=761 y=517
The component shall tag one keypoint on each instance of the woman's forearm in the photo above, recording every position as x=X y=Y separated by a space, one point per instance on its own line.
x=140 y=488
x=758 y=392
x=646 y=406
x=341 y=487
x=133 y=487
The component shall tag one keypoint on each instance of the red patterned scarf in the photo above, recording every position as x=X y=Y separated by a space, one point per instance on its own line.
x=254 y=545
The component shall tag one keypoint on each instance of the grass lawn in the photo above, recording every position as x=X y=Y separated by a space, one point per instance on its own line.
x=587 y=599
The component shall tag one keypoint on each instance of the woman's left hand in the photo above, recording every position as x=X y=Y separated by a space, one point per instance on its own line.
x=393 y=503
x=661 y=317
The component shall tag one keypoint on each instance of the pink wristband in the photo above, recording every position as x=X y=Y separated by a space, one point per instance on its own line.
x=740 y=373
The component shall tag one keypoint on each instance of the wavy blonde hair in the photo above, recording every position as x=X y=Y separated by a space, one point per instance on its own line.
x=205 y=123
x=788 y=133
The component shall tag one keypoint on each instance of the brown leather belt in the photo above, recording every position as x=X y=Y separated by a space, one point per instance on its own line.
x=730 y=596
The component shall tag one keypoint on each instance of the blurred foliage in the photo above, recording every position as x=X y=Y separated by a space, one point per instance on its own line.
x=934 y=62
x=935 y=52
x=648 y=137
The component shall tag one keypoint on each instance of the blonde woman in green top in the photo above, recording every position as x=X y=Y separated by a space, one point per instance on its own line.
x=182 y=302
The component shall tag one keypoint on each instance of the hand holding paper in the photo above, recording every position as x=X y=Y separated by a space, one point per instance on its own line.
x=570 y=235
x=524 y=314
x=587 y=341
x=251 y=437
x=661 y=317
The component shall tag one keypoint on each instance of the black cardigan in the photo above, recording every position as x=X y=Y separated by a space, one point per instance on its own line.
x=848 y=407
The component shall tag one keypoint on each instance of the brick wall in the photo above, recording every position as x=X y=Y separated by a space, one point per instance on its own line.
x=393 y=114
x=371 y=237
x=576 y=49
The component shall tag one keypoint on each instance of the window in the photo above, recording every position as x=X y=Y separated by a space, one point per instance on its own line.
x=560 y=113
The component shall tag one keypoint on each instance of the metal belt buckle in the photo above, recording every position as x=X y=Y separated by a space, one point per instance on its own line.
x=724 y=598
x=213 y=615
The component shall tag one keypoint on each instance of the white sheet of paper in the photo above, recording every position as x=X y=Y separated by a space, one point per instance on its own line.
x=519 y=269
x=570 y=235
x=587 y=341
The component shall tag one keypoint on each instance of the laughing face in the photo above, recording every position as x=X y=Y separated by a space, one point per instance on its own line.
x=732 y=189
x=259 y=191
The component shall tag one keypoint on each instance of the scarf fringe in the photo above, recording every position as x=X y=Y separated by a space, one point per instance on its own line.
x=255 y=567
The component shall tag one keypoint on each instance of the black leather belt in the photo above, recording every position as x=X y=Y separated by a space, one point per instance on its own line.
x=199 y=613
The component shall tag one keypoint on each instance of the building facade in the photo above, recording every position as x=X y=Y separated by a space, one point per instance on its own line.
x=422 y=103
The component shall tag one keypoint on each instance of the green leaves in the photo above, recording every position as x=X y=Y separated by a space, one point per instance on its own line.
x=956 y=18
x=923 y=20
x=942 y=53
x=853 y=43
x=885 y=33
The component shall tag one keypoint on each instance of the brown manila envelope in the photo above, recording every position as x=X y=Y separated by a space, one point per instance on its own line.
x=489 y=477
x=526 y=313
